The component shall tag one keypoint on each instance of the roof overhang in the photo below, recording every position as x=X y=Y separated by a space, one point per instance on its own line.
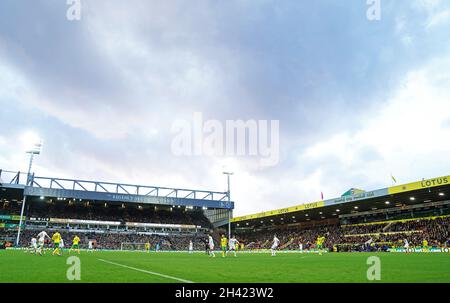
x=425 y=191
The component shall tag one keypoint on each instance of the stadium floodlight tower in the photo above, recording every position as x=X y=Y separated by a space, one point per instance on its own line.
x=229 y=203
x=35 y=149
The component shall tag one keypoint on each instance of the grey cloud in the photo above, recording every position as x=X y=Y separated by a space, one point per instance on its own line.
x=101 y=86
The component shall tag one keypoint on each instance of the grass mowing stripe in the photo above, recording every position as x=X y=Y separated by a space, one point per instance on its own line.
x=147 y=271
x=17 y=266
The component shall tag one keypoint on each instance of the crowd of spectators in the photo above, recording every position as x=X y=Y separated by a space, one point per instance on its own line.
x=112 y=212
x=291 y=238
x=349 y=237
x=116 y=241
x=435 y=231
x=111 y=239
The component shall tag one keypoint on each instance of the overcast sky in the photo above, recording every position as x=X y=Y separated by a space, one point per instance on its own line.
x=356 y=100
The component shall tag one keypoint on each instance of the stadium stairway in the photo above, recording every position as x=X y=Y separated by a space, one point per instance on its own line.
x=387 y=226
x=265 y=244
x=287 y=243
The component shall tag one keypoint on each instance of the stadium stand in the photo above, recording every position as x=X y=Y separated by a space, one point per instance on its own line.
x=362 y=221
x=436 y=230
x=384 y=234
x=358 y=220
x=114 y=212
x=170 y=237
x=111 y=214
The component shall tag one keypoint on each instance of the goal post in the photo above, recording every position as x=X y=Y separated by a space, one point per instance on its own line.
x=133 y=246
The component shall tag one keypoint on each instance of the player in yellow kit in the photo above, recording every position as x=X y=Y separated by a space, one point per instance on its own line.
x=319 y=243
x=223 y=245
x=425 y=245
x=75 y=244
x=56 y=240
x=147 y=247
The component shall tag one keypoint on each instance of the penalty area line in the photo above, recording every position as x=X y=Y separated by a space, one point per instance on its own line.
x=146 y=271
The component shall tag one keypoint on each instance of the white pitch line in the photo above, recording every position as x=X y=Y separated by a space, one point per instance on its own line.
x=147 y=271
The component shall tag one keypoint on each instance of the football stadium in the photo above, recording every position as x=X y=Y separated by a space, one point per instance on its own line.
x=224 y=151
x=139 y=233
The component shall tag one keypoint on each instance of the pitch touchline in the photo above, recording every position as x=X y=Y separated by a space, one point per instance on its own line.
x=147 y=271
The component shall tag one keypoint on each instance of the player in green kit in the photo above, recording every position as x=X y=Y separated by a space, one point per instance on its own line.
x=56 y=240
x=425 y=247
x=319 y=243
x=75 y=244
x=223 y=245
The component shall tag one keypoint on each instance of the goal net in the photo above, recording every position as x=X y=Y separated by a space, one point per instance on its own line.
x=132 y=246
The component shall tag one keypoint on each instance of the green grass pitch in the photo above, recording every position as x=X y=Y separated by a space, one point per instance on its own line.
x=164 y=267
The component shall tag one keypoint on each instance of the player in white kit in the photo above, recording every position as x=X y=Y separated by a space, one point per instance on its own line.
x=406 y=245
x=61 y=244
x=232 y=245
x=33 y=246
x=41 y=241
x=275 y=244
x=211 y=246
x=191 y=247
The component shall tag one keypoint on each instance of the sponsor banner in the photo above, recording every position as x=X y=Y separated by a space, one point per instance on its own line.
x=353 y=191
x=420 y=250
x=398 y=220
x=131 y=198
x=136 y=224
x=39 y=219
x=420 y=185
x=357 y=197
x=384 y=233
x=12 y=218
x=9 y=225
x=77 y=221
x=280 y=211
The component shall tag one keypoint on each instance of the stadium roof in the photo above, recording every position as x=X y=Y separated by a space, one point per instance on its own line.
x=13 y=186
x=424 y=191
